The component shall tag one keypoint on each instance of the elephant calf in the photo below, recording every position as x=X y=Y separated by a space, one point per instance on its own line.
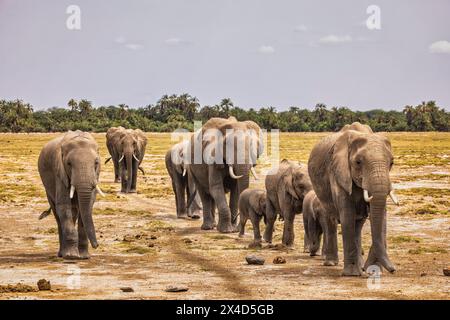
x=69 y=167
x=182 y=182
x=313 y=223
x=252 y=204
x=286 y=188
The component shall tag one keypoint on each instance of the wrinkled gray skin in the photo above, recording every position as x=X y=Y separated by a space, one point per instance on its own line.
x=213 y=180
x=252 y=205
x=127 y=150
x=182 y=183
x=286 y=188
x=71 y=160
x=341 y=166
x=313 y=215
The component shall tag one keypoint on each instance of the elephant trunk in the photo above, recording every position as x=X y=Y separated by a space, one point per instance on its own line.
x=129 y=164
x=379 y=190
x=244 y=171
x=86 y=194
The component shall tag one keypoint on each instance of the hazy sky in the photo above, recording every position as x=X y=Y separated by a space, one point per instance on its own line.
x=257 y=52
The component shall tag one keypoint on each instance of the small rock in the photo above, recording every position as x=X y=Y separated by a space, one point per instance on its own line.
x=423 y=274
x=251 y=259
x=151 y=245
x=127 y=289
x=153 y=237
x=187 y=241
x=44 y=285
x=447 y=271
x=279 y=260
x=176 y=289
x=128 y=238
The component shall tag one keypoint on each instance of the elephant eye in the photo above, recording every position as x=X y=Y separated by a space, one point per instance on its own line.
x=358 y=162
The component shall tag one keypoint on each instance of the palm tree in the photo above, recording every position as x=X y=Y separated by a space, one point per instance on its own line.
x=73 y=104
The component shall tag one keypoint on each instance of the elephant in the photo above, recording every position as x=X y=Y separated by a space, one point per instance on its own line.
x=69 y=167
x=182 y=182
x=349 y=171
x=252 y=204
x=313 y=223
x=286 y=188
x=127 y=150
x=222 y=154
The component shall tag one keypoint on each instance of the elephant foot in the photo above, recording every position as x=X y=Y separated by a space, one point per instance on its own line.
x=352 y=270
x=84 y=254
x=194 y=216
x=313 y=254
x=330 y=262
x=225 y=228
x=207 y=226
x=241 y=235
x=71 y=254
x=255 y=245
x=182 y=216
x=382 y=261
x=133 y=191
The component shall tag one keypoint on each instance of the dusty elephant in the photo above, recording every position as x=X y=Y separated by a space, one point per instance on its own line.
x=222 y=154
x=349 y=171
x=252 y=205
x=313 y=215
x=286 y=188
x=127 y=150
x=69 y=167
x=182 y=183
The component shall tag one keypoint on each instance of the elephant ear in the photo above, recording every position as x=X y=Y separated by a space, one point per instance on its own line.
x=287 y=184
x=340 y=162
x=59 y=167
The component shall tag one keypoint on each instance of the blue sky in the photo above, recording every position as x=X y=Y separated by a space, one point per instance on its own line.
x=257 y=52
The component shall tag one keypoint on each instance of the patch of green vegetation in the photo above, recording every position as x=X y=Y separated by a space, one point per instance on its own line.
x=138 y=250
x=218 y=236
x=425 y=210
x=403 y=239
x=156 y=225
x=17 y=192
x=430 y=192
x=108 y=211
x=422 y=250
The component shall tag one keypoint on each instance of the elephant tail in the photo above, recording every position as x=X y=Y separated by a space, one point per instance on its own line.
x=107 y=160
x=142 y=170
x=191 y=199
x=45 y=213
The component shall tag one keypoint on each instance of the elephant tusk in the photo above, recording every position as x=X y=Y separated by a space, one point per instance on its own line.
x=230 y=170
x=100 y=192
x=184 y=172
x=394 y=197
x=136 y=158
x=121 y=158
x=253 y=171
x=366 y=196
x=72 y=191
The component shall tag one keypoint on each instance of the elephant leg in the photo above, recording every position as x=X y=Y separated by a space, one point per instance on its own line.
x=350 y=243
x=330 y=247
x=116 y=170
x=242 y=222
x=218 y=193
x=208 y=210
x=359 y=225
x=69 y=247
x=288 y=228
x=271 y=216
x=306 y=236
x=255 y=220
x=179 y=187
x=123 y=178
x=194 y=209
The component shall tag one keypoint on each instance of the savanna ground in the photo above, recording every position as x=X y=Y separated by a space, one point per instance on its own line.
x=144 y=246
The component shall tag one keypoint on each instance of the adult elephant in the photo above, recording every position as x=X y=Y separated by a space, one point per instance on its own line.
x=127 y=150
x=69 y=167
x=349 y=171
x=182 y=183
x=286 y=188
x=222 y=154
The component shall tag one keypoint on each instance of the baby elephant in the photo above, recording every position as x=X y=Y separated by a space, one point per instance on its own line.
x=313 y=216
x=252 y=204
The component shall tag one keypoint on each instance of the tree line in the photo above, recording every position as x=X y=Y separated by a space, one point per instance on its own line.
x=179 y=111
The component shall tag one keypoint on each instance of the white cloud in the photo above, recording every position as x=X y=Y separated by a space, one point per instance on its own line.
x=266 y=49
x=442 y=46
x=133 y=46
x=120 y=40
x=300 y=28
x=334 y=39
x=175 y=42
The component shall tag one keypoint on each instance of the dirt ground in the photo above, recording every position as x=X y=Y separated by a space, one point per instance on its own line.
x=144 y=246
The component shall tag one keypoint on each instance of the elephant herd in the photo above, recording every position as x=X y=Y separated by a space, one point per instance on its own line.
x=346 y=181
